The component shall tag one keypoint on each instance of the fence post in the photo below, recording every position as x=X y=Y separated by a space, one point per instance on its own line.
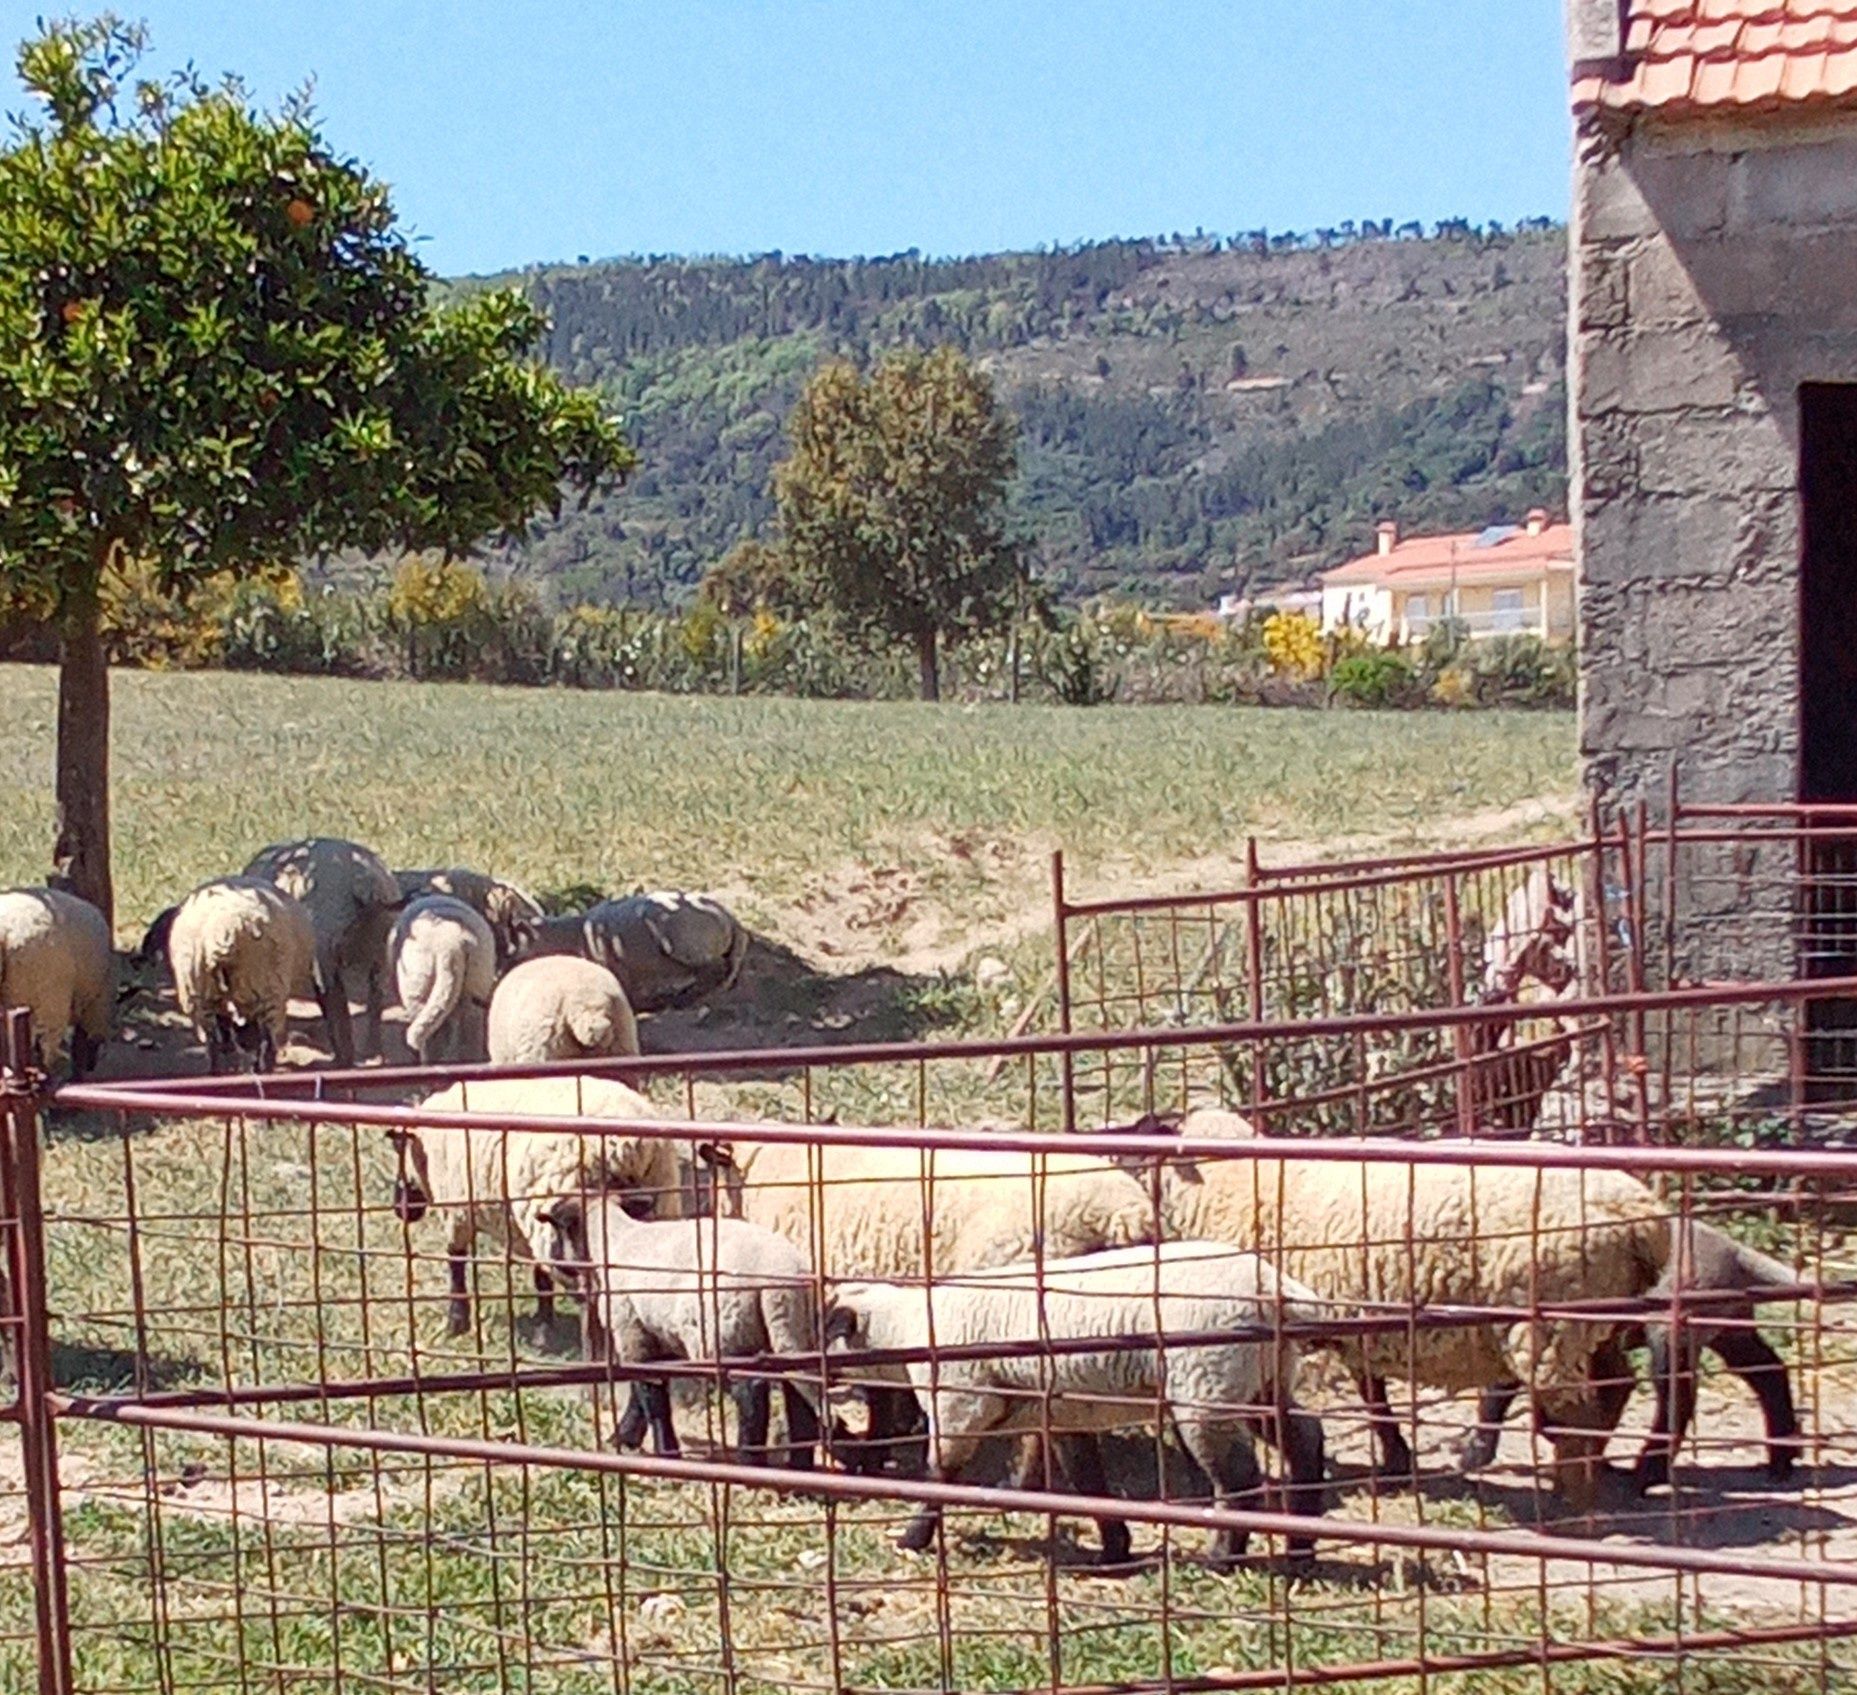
x=1060 y=918
x=38 y=1437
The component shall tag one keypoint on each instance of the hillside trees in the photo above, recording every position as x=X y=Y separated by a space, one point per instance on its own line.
x=218 y=354
x=893 y=501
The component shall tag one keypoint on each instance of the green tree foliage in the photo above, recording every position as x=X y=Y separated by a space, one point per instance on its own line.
x=752 y=577
x=893 y=501
x=218 y=353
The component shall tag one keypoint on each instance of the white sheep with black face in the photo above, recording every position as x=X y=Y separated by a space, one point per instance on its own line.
x=1134 y=1300
x=668 y=949
x=1372 y=1234
x=693 y=1289
x=444 y=966
x=560 y=1008
x=498 y=1179
x=352 y=900
x=58 y=962
x=511 y=913
x=240 y=949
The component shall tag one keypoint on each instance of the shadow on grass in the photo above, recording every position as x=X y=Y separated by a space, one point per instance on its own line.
x=783 y=1000
x=113 y=1371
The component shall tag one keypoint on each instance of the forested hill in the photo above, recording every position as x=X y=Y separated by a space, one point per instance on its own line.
x=1190 y=409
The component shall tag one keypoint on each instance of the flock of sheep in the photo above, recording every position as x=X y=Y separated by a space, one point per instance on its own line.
x=1074 y=1272
x=478 y=967
x=1073 y=1281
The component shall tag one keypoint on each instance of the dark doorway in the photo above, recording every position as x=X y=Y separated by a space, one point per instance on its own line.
x=1828 y=720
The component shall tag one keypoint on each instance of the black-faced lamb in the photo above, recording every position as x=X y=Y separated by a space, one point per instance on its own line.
x=559 y=1008
x=444 y=967
x=1398 y=1237
x=351 y=899
x=239 y=949
x=499 y=1181
x=58 y=962
x=510 y=912
x=1213 y=1394
x=693 y=1289
x=1709 y=1263
x=667 y=948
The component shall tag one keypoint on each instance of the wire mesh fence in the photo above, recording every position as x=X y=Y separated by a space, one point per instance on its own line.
x=318 y=1434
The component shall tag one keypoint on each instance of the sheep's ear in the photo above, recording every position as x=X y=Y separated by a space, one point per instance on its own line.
x=568 y=1215
x=398 y=1137
x=716 y=1153
x=840 y=1324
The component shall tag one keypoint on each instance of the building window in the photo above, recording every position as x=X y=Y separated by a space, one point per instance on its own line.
x=1418 y=611
x=1508 y=611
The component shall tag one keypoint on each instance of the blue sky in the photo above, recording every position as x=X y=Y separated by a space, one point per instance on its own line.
x=519 y=130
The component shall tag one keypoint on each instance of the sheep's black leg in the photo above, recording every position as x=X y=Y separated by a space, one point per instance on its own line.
x=334 y=1004
x=1395 y=1452
x=458 y=1312
x=1305 y=1459
x=753 y=1404
x=1085 y=1473
x=219 y=1043
x=802 y=1429
x=895 y=1416
x=1747 y=1355
x=633 y=1422
x=544 y=1294
x=1674 y=1381
x=1493 y=1406
x=264 y=1054
x=376 y=1006
x=655 y=1396
x=85 y=1050
x=1236 y=1482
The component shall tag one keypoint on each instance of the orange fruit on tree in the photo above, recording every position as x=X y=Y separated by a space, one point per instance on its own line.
x=299 y=212
x=71 y=311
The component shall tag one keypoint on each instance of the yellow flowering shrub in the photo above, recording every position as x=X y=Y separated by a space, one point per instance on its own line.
x=431 y=590
x=1293 y=644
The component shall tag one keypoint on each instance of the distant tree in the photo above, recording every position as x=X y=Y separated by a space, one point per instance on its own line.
x=893 y=501
x=219 y=354
x=751 y=577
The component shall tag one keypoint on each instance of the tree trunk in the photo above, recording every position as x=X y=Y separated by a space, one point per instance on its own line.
x=81 y=852
x=928 y=663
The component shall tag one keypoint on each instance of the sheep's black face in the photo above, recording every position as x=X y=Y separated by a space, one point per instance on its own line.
x=409 y=1200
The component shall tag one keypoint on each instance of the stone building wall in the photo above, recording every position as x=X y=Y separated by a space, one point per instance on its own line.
x=1713 y=270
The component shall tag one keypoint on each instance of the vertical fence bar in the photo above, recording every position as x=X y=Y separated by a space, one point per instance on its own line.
x=1060 y=918
x=38 y=1439
x=1254 y=969
x=1454 y=976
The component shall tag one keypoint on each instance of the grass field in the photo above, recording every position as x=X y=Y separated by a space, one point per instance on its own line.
x=776 y=802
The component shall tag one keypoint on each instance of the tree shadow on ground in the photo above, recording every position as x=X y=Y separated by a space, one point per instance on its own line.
x=783 y=1000
x=780 y=1000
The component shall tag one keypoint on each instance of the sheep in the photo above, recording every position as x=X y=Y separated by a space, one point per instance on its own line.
x=899 y=1212
x=58 y=962
x=509 y=911
x=499 y=1182
x=560 y=1008
x=1415 y=1236
x=351 y=899
x=1141 y=1295
x=668 y=949
x=692 y=1289
x=1710 y=1262
x=240 y=948
x=444 y=966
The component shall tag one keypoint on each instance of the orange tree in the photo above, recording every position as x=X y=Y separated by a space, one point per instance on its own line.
x=218 y=353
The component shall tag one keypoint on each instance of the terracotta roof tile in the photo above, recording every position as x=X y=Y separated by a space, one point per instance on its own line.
x=1444 y=557
x=1704 y=56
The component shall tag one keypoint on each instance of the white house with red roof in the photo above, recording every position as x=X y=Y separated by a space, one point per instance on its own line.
x=1508 y=579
